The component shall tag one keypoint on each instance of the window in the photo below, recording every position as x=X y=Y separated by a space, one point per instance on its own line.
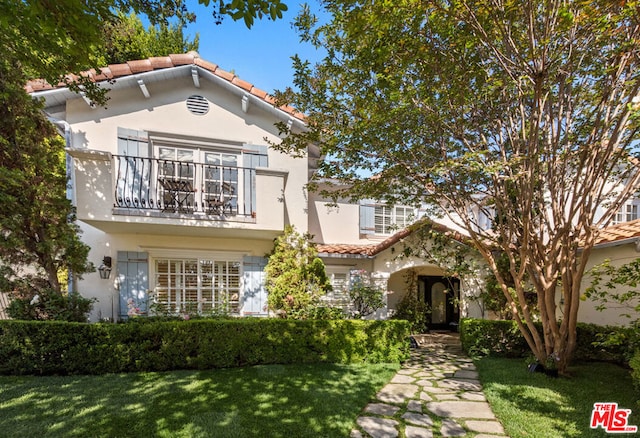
x=339 y=295
x=213 y=184
x=198 y=285
x=628 y=212
x=390 y=219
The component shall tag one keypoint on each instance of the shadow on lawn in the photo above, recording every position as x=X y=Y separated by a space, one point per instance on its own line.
x=560 y=407
x=273 y=400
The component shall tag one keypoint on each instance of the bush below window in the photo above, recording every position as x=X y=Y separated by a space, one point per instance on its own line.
x=43 y=347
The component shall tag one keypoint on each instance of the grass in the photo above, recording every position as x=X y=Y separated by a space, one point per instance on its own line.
x=534 y=405
x=272 y=400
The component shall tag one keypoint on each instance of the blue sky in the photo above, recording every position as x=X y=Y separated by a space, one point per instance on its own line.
x=260 y=55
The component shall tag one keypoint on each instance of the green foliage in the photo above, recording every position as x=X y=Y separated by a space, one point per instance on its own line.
x=481 y=337
x=51 y=305
x=366 y=298
x=317 y=312
x=73 y=348
x=634 y=363
x=493 y=297
x=532 y=405
x=127 y=39
x=412 y=309
x=482 y=110
x=616 y=286
x=52 y=39
x=39 y=236
x=295 y=275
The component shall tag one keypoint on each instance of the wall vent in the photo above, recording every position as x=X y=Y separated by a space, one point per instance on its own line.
x=197 y=105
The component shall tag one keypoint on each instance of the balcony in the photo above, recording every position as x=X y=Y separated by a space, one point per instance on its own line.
x=122 y=194
x=178 y=187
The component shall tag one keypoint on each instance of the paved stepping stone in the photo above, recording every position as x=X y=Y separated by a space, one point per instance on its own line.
x=418 y=419
x=401 y=378
x=378 y=427
x=451 y=428
x=493 y=427
x=381 y=409
x=414 y=406
x=461 y=409
x=461 y=385
x=417 y=432
x=473 y=396
x=397 y=393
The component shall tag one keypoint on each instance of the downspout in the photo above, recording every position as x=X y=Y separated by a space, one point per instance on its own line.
x=64 y=126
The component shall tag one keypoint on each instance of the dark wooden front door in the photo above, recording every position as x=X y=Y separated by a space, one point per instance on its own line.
x=442 y=295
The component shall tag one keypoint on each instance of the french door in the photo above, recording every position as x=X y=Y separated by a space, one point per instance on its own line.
x=211 y=176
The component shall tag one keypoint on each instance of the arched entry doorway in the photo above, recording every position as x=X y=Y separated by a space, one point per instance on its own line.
x=442 y=295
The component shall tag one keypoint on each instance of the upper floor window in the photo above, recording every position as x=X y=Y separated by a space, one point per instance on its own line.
x=391 y=219
x=377 y=218
x=628 y=212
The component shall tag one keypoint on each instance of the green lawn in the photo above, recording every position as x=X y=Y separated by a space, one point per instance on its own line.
x=534 y=405
x=264 y=401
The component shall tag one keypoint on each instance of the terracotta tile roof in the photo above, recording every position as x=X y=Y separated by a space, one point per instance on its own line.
x=618 y=232
x=374 y=249
x=343 y=248
x=115 y=71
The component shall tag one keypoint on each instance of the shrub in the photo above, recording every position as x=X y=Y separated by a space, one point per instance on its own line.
x=43 y=347
x=411 y=309
x=295 y=275
x=51 y=305
x=634 y=363
x=366 y=298
x=481 y=337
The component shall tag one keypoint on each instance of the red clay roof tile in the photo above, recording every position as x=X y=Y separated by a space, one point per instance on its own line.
x=113 y=71
x=242 y=84
x=118 y=70
x=615 y=233
x=140 y=66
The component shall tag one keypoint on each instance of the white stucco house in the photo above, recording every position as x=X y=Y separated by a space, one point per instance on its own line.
x=179 y=194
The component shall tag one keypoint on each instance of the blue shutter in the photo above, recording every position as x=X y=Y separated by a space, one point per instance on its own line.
x=252 y=156
x=367 y=217
x=254 y=294
x=133 y=280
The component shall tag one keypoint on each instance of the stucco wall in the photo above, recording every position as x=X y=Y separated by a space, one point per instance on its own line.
x=618 y=255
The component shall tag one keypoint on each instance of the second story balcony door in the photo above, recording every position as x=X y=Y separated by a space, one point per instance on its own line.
x=193 y=180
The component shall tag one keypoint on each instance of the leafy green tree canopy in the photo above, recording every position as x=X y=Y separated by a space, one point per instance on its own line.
x=52 y=39
x=127 y=39
x=521 y=112
x=39 y=238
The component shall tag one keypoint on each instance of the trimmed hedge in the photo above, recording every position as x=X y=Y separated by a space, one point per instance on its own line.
x=43 y=347
x=481 y=337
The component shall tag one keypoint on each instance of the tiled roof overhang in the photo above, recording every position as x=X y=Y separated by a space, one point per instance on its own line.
x=158 y=68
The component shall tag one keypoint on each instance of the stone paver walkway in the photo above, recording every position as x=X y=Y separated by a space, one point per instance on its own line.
x=436 y=394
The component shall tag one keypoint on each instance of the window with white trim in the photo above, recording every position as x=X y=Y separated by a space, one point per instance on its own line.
x=197 y=285
x=628 y=212
x=340 y=281
x=389 y=219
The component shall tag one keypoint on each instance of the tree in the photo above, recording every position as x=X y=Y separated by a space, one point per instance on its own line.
x=524 y=112
x=127 y=39
x=51 y=40
x=39 y=238
x=295 y=275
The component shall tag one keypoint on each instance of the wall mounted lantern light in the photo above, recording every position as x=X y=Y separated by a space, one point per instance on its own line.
x=105 y=268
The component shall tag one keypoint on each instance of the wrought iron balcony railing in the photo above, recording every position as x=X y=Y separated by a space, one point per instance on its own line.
x=171 y=186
